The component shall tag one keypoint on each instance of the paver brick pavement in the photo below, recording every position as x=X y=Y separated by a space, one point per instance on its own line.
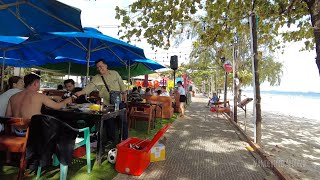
x=203 y=146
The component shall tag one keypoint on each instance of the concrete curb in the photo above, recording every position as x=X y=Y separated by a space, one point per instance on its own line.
x=258 y=149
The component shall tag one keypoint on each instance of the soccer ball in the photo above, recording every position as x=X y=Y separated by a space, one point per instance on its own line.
x=112 y=155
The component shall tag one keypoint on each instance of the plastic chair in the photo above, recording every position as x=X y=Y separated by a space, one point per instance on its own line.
x=9 y=142
x=78 y=142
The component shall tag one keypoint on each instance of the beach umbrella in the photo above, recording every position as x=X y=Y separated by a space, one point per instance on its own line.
x=89 y=45
x=11 y=54
x=28 y=17
x=78 y=67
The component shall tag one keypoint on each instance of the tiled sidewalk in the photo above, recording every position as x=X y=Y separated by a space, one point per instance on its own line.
x=204 y=147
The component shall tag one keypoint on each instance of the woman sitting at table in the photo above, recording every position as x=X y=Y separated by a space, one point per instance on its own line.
x=164 y=91
x=15 y=85
x=148 y=92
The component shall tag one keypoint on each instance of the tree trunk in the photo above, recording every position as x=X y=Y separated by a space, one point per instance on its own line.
x=256 y=83
x=314 y=10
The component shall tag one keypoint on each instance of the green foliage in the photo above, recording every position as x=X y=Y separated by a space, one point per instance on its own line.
x=214 y=22
x=160 y=19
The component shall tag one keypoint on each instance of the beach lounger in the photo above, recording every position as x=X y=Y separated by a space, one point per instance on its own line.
x=221 y=107
x=243 y=105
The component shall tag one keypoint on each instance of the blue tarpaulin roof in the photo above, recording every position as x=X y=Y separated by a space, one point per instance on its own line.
x=17 y=56
x=28 y=17
x=88 y=45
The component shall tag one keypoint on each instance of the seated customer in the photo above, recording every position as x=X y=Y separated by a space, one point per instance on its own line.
x=135 y=95
x=214 y=99
x=158 y=93
x=164 y=91
x=148 y=92
x=15 y=85
x=28 y=102
x=140 y=90
x=71 y=89
x=60 y=87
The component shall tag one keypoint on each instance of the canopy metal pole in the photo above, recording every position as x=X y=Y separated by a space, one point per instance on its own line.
x=88 y=61
x=69 y=69
x=129 y=74
x=2 y=73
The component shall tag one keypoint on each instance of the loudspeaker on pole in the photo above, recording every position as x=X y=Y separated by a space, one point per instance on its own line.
x=174 y=62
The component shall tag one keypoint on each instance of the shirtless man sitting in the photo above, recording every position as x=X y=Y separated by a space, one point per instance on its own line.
x=28 y=102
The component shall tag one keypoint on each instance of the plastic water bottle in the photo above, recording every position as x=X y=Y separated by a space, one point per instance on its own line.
x=117 y=103
x=101 y=105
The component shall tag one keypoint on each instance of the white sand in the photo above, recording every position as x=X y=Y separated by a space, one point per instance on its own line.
x=290 y=133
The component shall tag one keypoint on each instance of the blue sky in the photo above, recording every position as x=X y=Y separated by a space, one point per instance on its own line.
x=300 y=70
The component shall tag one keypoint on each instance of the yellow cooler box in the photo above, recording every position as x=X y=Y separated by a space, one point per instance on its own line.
x=158 y=153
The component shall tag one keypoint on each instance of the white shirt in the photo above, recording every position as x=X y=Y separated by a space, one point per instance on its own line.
x=142 y=92
x=4 y=99
x=166 y=93
x=181 y=90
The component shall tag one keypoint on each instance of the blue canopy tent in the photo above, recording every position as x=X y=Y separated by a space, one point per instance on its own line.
x=12 y=54
x=28 y=17
x=78 y=67
x=90 y=45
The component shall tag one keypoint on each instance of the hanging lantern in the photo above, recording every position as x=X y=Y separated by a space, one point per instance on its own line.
x=149 y=84
x=156 y=84
x=138 y=83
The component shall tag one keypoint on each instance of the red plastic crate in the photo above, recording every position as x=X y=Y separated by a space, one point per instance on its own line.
x=79 y=152
x=133 y=161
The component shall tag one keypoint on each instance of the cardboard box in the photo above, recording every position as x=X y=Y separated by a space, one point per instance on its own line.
x=158 y=153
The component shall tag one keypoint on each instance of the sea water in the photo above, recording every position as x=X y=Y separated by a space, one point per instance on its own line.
x=298 y=104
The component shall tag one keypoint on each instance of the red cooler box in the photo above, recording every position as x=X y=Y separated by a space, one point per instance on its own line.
x=133 y=160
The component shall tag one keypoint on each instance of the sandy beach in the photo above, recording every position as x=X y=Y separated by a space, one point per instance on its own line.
x=290 y=133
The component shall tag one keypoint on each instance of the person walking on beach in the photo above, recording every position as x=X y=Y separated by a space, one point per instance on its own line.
x=183 y=98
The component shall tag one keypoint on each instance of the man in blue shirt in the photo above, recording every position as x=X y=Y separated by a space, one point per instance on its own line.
x=214 y=99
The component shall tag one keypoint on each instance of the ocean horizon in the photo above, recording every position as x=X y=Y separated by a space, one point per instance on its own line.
x=290 y=103
x=287 y=93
